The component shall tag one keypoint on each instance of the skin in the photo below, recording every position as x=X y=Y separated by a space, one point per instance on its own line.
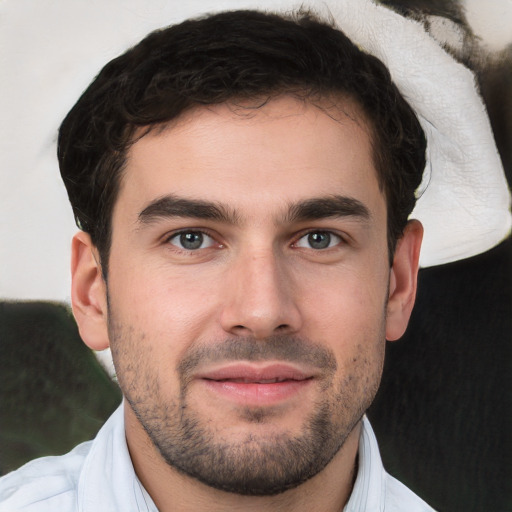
x=259 y=280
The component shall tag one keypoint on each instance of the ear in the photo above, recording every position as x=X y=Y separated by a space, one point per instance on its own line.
x=403 y=280
x=88 y=292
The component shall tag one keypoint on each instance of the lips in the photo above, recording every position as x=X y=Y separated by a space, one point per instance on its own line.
x=257 y=381
x=248 y=373
x=256 y=385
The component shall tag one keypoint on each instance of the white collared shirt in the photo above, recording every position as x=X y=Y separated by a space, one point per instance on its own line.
x=98 y=476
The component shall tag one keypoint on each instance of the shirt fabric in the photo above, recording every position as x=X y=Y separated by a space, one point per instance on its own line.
x=98 y=476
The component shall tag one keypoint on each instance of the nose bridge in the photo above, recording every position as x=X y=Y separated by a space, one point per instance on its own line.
x=261 y=301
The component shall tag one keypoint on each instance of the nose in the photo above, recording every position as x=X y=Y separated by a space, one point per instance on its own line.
x=260 y=299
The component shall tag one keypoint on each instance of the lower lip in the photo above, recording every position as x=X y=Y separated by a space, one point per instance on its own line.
x=257 y=394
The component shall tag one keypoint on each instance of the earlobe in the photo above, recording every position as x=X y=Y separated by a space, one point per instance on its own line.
x=403 y=280
x=88 y=292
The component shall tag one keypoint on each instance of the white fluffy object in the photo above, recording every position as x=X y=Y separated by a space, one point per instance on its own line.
x=464 y=199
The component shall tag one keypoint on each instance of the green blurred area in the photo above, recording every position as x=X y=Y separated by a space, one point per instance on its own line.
x=54 y=393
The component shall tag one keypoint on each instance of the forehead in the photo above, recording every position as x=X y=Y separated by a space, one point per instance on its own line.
x=284 y=151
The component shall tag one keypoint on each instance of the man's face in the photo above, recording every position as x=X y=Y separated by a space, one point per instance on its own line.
x=247 y=290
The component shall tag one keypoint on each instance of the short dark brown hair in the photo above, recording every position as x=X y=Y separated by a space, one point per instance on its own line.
x=215 y=59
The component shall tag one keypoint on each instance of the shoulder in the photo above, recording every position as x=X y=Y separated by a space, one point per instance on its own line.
x=400 y=498
x=45 y=484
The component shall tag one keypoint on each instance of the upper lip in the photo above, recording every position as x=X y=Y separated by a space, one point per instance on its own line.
x=250 y=373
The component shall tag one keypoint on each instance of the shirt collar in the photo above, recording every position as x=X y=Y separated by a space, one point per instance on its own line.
x=369 y=488
x=109 y=461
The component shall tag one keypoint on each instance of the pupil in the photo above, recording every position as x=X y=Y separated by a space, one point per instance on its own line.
x=319 y=240
x=191 y=240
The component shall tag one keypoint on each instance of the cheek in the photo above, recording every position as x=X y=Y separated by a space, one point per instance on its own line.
x=348 y=302
x=359 y=378
x=348 y=314
x=171 y=310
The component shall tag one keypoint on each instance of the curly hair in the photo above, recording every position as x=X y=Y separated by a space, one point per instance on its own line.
x=224 y=57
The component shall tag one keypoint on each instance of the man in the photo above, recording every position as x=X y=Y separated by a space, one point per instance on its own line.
x=243 y=184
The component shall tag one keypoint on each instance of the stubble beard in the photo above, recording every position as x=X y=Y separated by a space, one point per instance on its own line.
x=256 y=465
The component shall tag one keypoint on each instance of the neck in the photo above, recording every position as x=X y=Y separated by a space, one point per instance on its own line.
x=172 y=491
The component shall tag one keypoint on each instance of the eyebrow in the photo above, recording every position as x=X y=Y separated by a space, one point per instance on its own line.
x=311 y=209
x=174 y=206
x=327 y=207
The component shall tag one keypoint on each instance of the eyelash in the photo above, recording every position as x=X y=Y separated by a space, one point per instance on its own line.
x=176 y=234
x=341 y=239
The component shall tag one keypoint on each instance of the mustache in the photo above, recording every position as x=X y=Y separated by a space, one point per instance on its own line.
x=287 y=348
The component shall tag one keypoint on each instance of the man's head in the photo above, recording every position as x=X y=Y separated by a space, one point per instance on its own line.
x=233 y=56
x=244 y=168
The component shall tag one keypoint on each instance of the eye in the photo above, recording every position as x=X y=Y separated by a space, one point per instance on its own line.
x=318 y=240
x=191 y=240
